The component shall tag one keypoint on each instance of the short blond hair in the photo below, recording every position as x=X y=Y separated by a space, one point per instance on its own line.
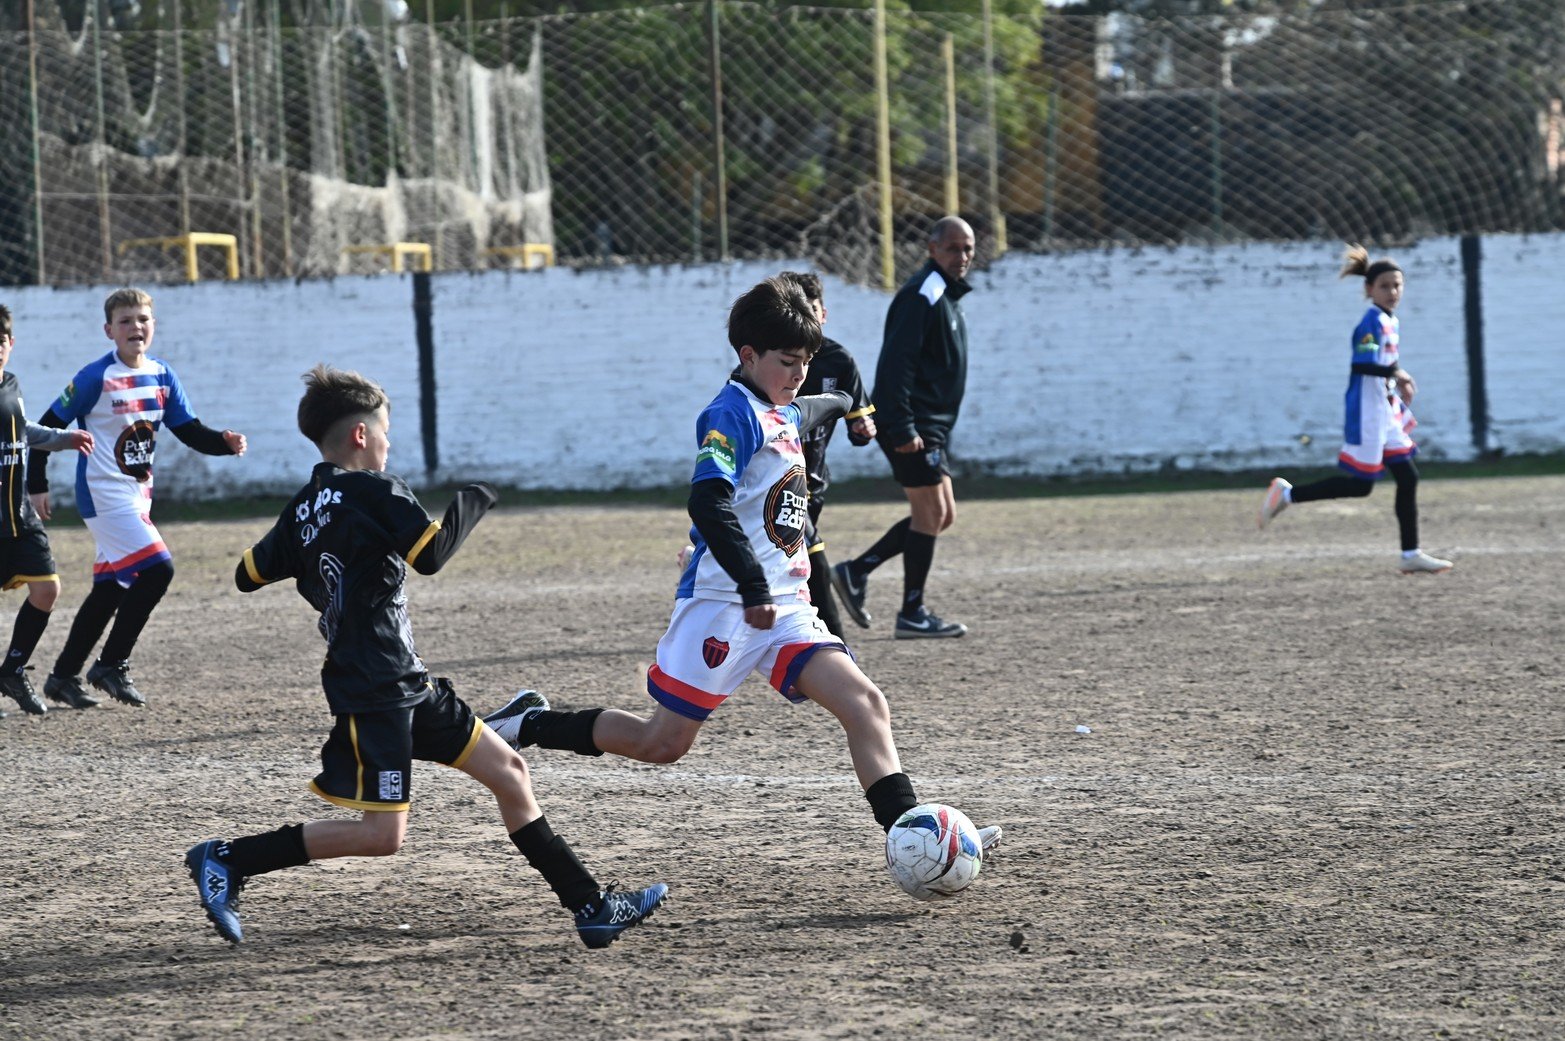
x=127 y=297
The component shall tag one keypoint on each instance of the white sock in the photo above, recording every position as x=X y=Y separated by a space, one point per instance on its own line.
x=1409 y=554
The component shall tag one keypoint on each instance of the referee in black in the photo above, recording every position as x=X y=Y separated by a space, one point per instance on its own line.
x=919 y=382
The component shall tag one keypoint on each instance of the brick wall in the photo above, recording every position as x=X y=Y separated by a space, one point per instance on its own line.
x=1117 y=361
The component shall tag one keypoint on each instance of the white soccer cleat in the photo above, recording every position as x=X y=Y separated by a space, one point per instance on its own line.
x=989 y=838
x=1275 y=502
x=1422 y=563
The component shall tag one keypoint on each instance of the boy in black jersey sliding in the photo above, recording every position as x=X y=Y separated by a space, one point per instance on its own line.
x=344 y=539
x=24 y=548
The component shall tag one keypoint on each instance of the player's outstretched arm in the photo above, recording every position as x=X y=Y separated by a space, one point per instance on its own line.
x=464 y=513
x=815 y=409
x=204 y=439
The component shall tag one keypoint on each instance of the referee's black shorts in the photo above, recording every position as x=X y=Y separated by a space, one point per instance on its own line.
x=917 y=469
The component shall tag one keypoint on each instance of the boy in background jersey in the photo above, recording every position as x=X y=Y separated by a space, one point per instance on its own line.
x=344 y=539
x=741 y=606
x=24 y=548
x=832 y=368
x=122 y=399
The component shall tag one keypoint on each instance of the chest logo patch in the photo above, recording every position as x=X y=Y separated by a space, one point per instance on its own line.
x=788 y=511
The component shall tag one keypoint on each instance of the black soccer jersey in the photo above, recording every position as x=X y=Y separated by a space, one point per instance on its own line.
x=832 y=368
x=346 y=539
x=19 y=513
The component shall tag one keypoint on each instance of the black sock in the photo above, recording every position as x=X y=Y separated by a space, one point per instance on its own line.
x=918 y=552
x=30 y=624
x=553 y=858
x=142 y=596
x=891 y=797
x=270 y=851
x=1406 y=475
x=890 y=545
x=567 y=731
x=90 y=621
x=1339 y=487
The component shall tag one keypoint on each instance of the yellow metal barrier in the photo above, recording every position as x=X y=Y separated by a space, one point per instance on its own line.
x=397 y=251
x=525 y=253
x=188 y=244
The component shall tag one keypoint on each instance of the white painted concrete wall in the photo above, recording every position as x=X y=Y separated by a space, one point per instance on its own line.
x=1112 y=361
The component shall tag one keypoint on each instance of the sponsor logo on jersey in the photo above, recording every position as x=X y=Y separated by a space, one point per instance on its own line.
x=67 y=394
x=788 y=511
x=828 y=383
x=1367 y=343
x=133 y=450
x=714 y=652
x=716 y=447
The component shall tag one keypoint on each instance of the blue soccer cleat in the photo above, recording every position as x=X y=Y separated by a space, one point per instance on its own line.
x=219 y=886
x=601 y=922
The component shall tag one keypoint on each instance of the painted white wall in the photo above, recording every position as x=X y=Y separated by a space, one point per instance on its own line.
x=1112 y=361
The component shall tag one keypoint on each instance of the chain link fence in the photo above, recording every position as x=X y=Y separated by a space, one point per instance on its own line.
x=690 y=132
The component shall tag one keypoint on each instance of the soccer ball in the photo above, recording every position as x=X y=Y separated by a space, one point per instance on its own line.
x=933 y=851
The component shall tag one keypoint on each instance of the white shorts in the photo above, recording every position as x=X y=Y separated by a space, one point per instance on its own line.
x=127 y=543
x=709 y=650
x=1383 y=431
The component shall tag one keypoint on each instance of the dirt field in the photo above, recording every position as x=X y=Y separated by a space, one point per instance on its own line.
x=1318 y=800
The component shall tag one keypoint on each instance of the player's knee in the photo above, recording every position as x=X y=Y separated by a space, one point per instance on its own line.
x=43 y=595
x=872 y=705
x=664 y=750
x=158 y=576
x=515 y=778
x=381 y=842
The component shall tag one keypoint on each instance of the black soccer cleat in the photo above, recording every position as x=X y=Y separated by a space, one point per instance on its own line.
x=600 y=922
x=114 y=680
x=68 y=691
x=851 y=590
x=511 y=721
x=20 y=688
x=926 y=626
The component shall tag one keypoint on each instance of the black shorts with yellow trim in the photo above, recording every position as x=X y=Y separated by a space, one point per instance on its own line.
x=25 y=558
x=367 y=761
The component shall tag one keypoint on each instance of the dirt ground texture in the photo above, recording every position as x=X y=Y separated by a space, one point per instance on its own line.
x=1318 y=799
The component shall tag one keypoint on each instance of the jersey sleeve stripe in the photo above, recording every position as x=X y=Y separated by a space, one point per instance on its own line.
x=250 y=568
x=856 y=413
x=423 y=540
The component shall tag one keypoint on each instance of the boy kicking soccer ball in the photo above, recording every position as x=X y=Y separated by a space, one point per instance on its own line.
x=740 y=607
x=344 y=540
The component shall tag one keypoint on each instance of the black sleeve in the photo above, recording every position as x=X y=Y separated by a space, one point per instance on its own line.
x=38 y=462
x=1369 y=368
x=202 y=438
x=712 y=512
x=822 y=408
x=272 y=559
x=462 y=516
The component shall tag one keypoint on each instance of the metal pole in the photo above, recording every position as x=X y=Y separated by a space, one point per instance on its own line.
x=719 y=163
x=1051 y=161
x=1217 y=162
x=105 y=233
x=992 y=142
x=180 y=101
x=256 y=150
x=1477 y=383
x=241 y=168
x=32 y=100
x=888 y=265
x=282 y=135
x=953 y=187
x=434 y=127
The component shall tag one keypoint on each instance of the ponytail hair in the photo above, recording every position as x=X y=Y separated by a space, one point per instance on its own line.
x=1356 y=262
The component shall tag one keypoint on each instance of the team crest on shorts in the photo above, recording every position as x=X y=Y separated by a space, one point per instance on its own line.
x=714 y=652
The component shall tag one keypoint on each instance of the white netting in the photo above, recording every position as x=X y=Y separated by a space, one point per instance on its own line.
x=333 y=124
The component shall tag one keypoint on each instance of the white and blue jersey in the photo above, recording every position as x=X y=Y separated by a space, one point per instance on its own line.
x=122 y=407
x=1376 y=423
x=754 y=446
